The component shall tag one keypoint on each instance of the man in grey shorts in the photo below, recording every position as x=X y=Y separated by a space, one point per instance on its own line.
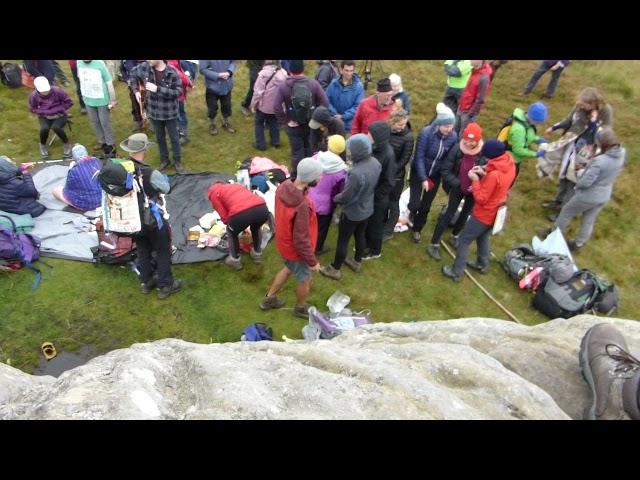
x=297 y=232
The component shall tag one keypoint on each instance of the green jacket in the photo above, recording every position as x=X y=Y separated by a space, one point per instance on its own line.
x=458 y=73
x=521 y=135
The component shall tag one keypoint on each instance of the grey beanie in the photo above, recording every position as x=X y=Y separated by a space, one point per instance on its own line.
x=358 y=147
x=309 y=169
x=444 y=115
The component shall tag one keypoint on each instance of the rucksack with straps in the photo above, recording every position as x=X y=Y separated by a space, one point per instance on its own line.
x=11 y=75
x=581 y=293
x=521 y=259
x=257 y=332
x=302 y=102
x=20 y=247
x=113 y=249
x=505 y=129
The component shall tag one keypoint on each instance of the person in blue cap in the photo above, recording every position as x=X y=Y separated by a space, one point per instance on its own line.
x=523 y=133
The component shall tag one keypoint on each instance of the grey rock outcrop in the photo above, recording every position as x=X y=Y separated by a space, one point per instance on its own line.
x=474 y=368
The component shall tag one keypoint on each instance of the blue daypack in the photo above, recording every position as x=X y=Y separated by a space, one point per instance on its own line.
x=257 y=332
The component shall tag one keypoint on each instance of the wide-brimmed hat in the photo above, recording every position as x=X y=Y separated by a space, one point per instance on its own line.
x=137 y=142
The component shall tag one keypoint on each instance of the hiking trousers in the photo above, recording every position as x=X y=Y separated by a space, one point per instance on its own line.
x=101 y=122
x=375 y=226
x=254 y=218
x=149 y=241
x=212 y=104
x=299 y=139
x=420 y=201
x=577 y=206
x=324 y=223
x=455 y=197
x=347 y=228
x=55 y=124
x=473 y=230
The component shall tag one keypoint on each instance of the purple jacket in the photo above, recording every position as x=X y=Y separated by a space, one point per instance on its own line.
x=57 y=102
x=283 y=95
x=266 y=87
x=328 y=187
x=82 y=188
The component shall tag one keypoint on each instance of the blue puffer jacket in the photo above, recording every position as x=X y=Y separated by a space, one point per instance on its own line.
x=344 y=100
x=18 y=194
x=431 y=149
x=210 y=69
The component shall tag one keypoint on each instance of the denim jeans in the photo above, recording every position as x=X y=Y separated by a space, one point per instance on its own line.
x=190 y=67
x=300 y=144
x=159 y=126
x=553 y=83
x=270 y=121
x=473 y=230
x=183 y=121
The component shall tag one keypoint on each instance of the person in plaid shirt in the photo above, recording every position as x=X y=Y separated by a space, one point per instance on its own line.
x=163 y=87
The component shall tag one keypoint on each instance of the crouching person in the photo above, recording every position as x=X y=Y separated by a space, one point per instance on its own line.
x=296 y=233
x=489 y=186
x=154 y=238
x=239 y=208
x=81 y=190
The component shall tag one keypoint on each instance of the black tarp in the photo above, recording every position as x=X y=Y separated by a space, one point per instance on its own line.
x=186 y=202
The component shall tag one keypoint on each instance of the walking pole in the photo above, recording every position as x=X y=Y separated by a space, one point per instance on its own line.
x=484 y=290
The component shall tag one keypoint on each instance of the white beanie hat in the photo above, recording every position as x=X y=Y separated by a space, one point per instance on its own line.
x=42 y=84
x=444 y=115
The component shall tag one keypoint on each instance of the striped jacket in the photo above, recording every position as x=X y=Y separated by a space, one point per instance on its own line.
x=163 y=104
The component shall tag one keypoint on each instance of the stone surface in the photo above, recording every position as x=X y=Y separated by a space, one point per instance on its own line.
x=474 y=368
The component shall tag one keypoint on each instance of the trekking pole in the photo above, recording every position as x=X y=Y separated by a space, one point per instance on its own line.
x=141 y=104
x=484 y=290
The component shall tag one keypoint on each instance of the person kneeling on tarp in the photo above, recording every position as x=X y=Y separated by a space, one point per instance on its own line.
x=82 y=188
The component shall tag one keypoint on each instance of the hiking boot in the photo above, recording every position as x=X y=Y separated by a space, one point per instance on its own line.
x=213 y=130
x=329 y=271
x=371 y=256
x=612 y=373
x=268 y=303
x=275 y=145
x=387 y=236
x=553 y=217
x=262 y=149
x=434 y=251
x=301 y=311
x=234 y=263
x=478 y=268
x=573 y=246
x=109 y=151
x=323 y=250
x=453 y=240
x=44 y=151
x=83 y=111
x=447 y=271
x=256 y=256
x=184 y=137
x=544 y=232
x=416 y=237
x=164 y=165
x=147 y=288
x=164 y=292
x=180 y=168
x=245 y=111
x=227 y=126
x=551 y=204
x=353 y=265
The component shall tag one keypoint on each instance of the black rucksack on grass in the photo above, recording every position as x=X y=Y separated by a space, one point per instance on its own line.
x=11 y=75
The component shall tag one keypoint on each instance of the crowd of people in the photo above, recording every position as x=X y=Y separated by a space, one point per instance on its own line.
x=349 y=155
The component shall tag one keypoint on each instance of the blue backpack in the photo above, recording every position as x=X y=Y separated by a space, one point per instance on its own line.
x=257 y=332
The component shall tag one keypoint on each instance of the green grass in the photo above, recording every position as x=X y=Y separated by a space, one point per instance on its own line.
x=102 y=306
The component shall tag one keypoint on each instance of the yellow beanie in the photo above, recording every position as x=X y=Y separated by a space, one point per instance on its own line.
x=336 y=144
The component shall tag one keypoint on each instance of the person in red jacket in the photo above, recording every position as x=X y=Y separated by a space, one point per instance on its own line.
x=296 y=235
x=489 y=185
x=239 y=208
x=475 y=94
x=183 y=121
x=376 y=107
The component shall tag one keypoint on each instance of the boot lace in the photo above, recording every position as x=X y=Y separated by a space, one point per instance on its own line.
x=626 y=361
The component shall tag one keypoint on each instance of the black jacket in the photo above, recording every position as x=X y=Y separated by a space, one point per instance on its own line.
x=383 y=152
x=450 y=168
x=402 y=143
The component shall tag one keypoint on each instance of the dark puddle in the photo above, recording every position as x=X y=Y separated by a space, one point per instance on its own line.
x=65 y=361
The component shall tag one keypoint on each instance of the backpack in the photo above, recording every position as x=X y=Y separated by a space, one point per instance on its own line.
x=520 y=260
x=302 y=102
x=125 y=206
x=257 y=332
x=505 y=129
x=23 y=248
x=11 y=75
x=113 y=249
x=583 y=292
